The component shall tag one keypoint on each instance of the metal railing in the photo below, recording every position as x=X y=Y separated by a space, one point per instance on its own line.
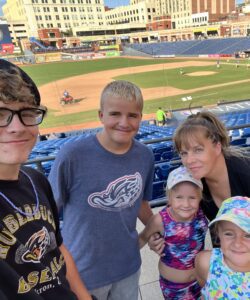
x=156 y=202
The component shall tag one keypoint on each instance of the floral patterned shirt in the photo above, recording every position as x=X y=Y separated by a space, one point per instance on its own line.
x=224 y=283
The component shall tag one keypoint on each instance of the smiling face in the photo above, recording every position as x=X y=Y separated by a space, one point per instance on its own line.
x=235 y=245
x=184 y=201
x=200 y=155
x=16 y=139
x=121 y=120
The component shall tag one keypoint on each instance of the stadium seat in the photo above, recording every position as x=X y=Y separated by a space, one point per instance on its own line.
x=167 y=155
x=238 y=142
x=246 y=132
x=158 y=189
x=157 y=157
x=162 y=171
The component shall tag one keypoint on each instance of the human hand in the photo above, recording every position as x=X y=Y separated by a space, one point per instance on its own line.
x=156 y=243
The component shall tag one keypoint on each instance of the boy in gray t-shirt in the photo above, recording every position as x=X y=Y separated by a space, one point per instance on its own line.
x=104 y=183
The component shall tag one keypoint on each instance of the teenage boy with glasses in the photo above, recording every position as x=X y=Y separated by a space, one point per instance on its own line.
x=34 y=263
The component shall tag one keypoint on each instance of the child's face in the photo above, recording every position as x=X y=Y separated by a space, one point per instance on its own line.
x=16 y=140
x=121 y=120
x=235 y=245
x=184 y=201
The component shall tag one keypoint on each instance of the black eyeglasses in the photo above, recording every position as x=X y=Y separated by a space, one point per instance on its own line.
x=27 y=116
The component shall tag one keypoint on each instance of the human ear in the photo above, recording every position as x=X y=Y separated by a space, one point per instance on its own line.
x=100 y=115
x=218 y=147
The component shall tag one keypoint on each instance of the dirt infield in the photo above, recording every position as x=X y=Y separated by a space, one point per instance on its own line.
x=87 y=88
x=202 y=73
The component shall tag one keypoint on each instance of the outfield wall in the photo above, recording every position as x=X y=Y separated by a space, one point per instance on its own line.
x=50 y=57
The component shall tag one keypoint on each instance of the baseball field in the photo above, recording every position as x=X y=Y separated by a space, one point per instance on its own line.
x=168 y=83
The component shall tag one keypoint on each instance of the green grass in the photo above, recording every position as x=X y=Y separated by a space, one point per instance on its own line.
x=46 y=73
x=202 y=98
x=172 y=77
x=51 y=120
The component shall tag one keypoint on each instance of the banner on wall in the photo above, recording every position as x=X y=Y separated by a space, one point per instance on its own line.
x=6 y=45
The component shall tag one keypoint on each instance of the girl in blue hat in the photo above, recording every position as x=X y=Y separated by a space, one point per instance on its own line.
x=224 y=273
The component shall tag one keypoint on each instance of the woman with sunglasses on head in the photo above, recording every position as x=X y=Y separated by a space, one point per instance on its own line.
x=34 y=263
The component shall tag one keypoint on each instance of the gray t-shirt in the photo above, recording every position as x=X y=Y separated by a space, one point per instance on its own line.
x=101 y=193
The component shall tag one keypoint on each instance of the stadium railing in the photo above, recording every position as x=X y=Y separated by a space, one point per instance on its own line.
x=162 y=166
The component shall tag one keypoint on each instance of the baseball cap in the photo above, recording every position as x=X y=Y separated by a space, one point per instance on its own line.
x=181 y=174
x=236 y=210
x=6 y=65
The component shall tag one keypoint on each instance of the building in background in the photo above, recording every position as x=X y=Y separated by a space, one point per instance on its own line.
x=65 y=23
x=62 y=14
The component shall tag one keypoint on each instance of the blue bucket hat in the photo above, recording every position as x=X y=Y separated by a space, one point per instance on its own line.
x=236 y=210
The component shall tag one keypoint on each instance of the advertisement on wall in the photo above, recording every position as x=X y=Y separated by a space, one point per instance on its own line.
x=6 y=46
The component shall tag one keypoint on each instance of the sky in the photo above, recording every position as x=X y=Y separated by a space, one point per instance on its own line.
x=1 y=4
x=114 y=3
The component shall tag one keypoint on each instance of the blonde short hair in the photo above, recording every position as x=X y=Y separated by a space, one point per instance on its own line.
x=124 y=90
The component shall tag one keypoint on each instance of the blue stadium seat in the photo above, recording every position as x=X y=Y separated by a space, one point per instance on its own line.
x=158 y=190
x=239 y=142
x=167 y=155
x=157 y=157
x=246 y=132
x=162 y=171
